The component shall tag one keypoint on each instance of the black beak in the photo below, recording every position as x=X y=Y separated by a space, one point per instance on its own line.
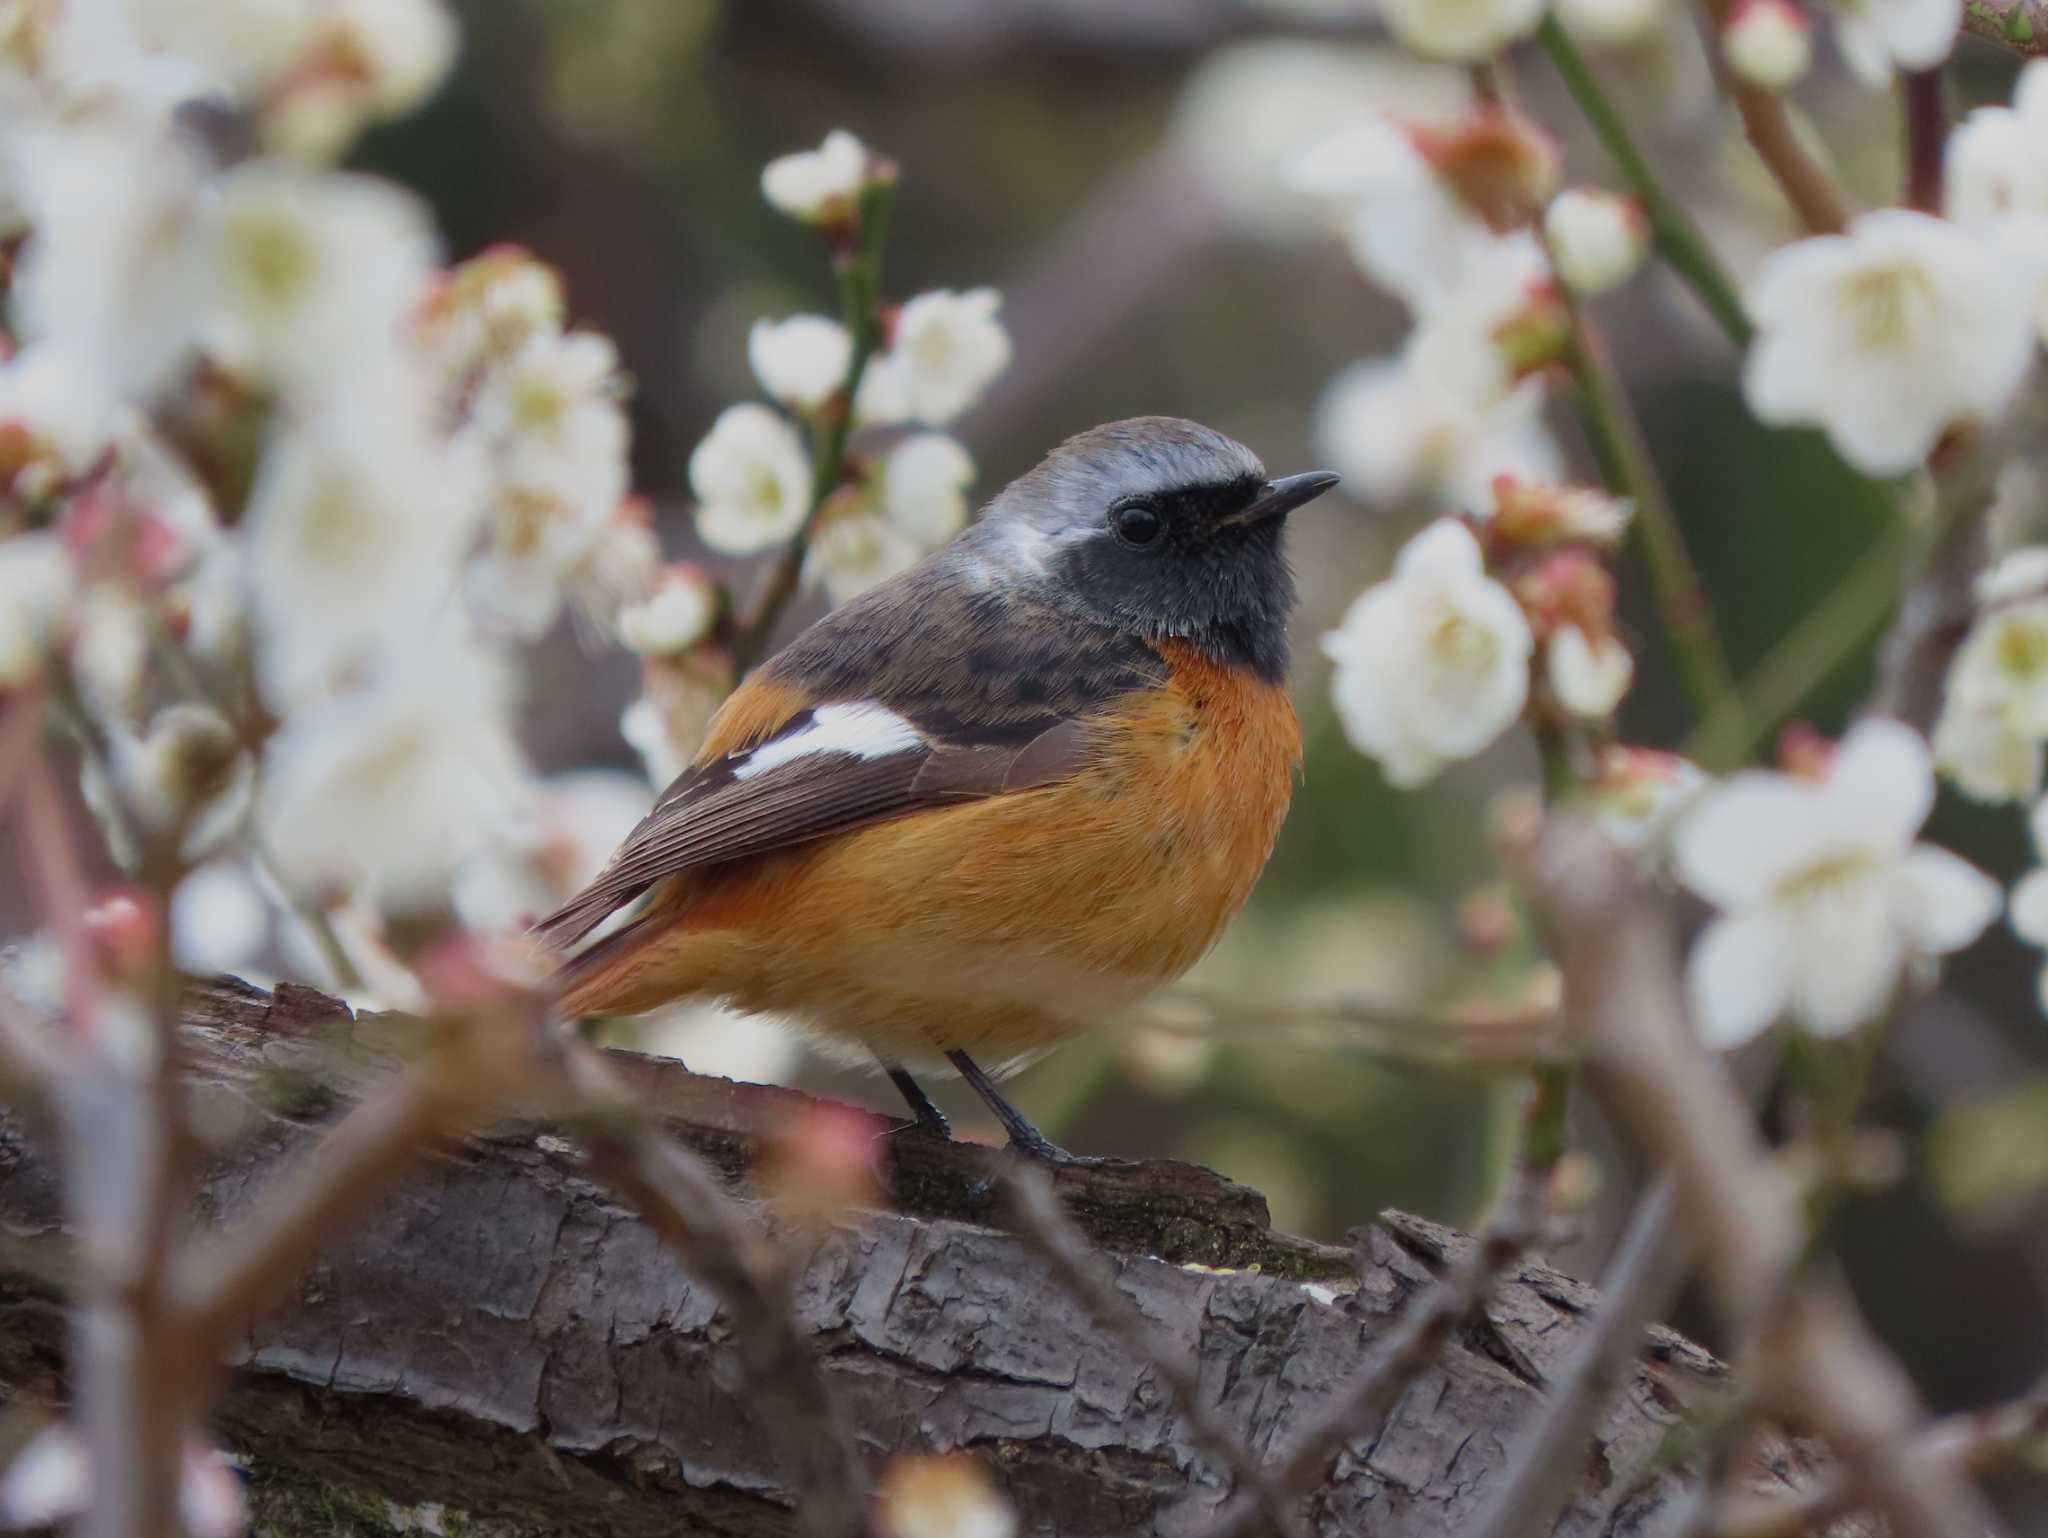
x=1278 y=498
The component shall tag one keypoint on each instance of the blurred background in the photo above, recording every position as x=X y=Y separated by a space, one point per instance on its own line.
x=1109 y=168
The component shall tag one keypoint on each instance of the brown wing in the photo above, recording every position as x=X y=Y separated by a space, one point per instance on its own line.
x=719 y=812
x=970 y=692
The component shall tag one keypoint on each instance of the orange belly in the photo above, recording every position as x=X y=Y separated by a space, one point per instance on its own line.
x=1001 y=925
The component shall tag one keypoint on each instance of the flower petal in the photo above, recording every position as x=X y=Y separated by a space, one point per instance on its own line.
x=1738 y=979
x=1942 y=902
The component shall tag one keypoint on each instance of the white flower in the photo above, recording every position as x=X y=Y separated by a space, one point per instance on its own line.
x=110 y=648
x=1597 y=238
x=1463 y=30
x=1409 y=231
x=1768 y=44
x=2002 y=666
x=675 y=617
x=37 y=584
x=821 y=184
x=943 y=1495
x=385 y=790
x=2017 y=575
x=1978 y=748
x=1640 y=794
x=114 y=268
x=1252 y=106
x=1993 y=168
x=752 y=480
x=57 y=413
x=187 y=770
x=1588 y=679
x=1887 y=336
x=220 y=919
x=552 y=436
x=399 y=50
x=800 y=361
x=1877 y=36
x=916 y=503
x=487 y=309
x=1825 y=896
x=1433 y=663
x=315 y=277
x=1392 y=430
x=358 y=523
x=1612 y=22
x=2027 y=909
x=240 y=47
x=946 y=349
x=570 y=825
x=924 y=487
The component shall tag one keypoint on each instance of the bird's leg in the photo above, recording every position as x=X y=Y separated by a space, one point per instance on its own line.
x=1024 y=1137
x=929 y=1116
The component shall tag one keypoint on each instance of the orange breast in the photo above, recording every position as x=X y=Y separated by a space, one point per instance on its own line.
x=1001 y=924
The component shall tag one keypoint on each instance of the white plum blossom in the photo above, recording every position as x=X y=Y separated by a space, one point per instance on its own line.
x=187 y=770
x=945 y=349
x=1598 y=239
x=1639 y=794
x=801 y=361
x=1978 y=748
x=397 y=51
x=1994 y=715
x=674 y=617
x=384 y=790
x=1992 y=167
x=1879 y=36
x=239 y=47
x=37 y=584
x=220 y=919
x=1768 y=43
x=1826 y=898
x=551 y=437
x=1588 y=677
x=486 y=310
x=1886 y=336
x=752 y=480
x=1466 y=31
x=56 y=417
x=1612 y=22
x=356 y=523
x=2027 y=910
x=818 y=185
x=1393 y=430
x=1408 y=230
x=113 y=269
x=315 y=276
x=1432 y=663
x=916 y=503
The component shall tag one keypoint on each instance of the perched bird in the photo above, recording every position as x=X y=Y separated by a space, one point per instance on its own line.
x=997 y=799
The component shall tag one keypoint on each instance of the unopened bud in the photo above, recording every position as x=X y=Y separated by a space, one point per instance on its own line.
x=675 y=617
x=1501 y=165
x=822 y=1160
x=1597 y=238
x=1769 y=44
x=1533 y=515
x=1805 y=752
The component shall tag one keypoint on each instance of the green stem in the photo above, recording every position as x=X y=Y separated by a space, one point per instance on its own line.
x=1677 y=238
x=859 y=270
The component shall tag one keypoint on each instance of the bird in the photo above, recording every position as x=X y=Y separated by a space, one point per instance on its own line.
x=995 y=800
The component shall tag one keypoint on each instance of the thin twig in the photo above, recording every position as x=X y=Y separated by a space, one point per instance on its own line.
x=2018 y=26
x=1820 y=204
x=1970 y=1444
x=1926 y=131
x=1677 y=237
x=1036 y=1219
x=1548 y=1464
x=65 y=896
x=859 y=270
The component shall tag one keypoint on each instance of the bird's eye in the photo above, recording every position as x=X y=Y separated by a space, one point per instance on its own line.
x=1136 y=523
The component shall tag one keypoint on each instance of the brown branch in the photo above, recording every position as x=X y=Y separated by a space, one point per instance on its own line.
x=2018 y=26
x=501 y=1338
x=1925 y=123
x=1766 y=121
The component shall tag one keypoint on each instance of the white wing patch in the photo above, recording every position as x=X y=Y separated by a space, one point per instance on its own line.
x=863 y=729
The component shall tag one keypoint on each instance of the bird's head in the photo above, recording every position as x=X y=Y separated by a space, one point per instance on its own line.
x=1161 y=527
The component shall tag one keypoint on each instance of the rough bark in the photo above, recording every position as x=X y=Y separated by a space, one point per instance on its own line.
x=504 y=1343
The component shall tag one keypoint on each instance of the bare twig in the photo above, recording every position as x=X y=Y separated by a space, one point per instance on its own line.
x=1037 y=1220
x=1814 y=195
x=1970 y=1444
x=1648 y=1267
x=1926 y=130
x=63 y=890
x=2018 y=26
